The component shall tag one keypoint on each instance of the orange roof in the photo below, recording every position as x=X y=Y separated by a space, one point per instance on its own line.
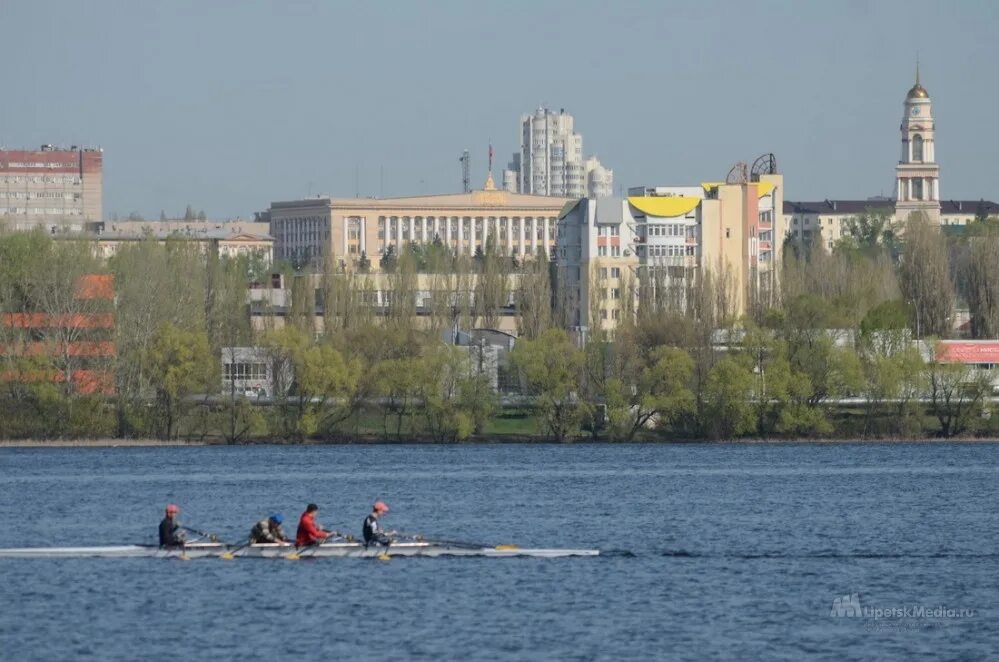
x=70 y=321
x=95 y=286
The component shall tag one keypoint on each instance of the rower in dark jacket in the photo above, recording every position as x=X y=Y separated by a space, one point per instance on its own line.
x=171 y=533
x=268 y=530
x=373 y=534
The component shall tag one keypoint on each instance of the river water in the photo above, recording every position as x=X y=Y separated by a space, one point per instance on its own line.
x=711 y=551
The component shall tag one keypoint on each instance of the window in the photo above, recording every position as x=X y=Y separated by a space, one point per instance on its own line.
x=728 y=233
x=603 y=273
x=615 y=293
x=615 y=272
x=917 y=148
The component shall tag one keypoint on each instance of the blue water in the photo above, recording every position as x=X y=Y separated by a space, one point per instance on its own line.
x=713 y=551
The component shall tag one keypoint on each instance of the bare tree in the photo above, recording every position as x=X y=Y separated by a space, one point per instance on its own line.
x=925 y=276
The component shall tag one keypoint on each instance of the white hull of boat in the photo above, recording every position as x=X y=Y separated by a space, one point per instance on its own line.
x=278 y=551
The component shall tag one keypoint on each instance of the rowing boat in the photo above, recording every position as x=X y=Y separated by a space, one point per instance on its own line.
x=277 y=551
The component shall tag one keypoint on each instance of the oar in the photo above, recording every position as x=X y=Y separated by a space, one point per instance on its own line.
x=230 y=554
x=296 y=555
x=211 y=536
x=460 y=543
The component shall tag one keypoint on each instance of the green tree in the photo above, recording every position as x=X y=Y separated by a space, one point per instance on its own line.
x=389 y=260
x=552 y=369
x=957 y=396
x=179 y=365
x=457 y=400
x=324 y=390
x=656 y=393
x=727 y=394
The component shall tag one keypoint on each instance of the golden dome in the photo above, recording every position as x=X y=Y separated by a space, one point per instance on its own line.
x=917 y=92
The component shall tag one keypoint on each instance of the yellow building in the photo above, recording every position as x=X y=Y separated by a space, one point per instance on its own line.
x=307 y=231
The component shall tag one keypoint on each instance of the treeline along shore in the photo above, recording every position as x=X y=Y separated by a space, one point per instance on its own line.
x=132 y=347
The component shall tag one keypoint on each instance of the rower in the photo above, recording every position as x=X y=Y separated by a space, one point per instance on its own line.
x=373 y=535
x=171 y=533
x=268 y=530
x=310 y=533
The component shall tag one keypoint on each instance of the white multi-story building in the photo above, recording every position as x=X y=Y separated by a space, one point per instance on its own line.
x=551 y=160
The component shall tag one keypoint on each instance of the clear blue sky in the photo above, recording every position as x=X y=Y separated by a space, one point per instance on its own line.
x=229 y=105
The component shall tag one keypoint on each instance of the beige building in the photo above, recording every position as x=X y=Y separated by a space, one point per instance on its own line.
x=656 y=242
x=307 y=231
x=59 y=189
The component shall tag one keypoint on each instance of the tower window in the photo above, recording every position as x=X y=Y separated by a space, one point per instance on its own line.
x=917 y=148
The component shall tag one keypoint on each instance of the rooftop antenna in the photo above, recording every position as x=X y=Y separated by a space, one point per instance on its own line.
x=466 y=180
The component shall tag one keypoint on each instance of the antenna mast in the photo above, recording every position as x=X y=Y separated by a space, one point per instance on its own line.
x=466 y=179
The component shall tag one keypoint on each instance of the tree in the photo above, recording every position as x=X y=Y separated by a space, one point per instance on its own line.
x=925 y=276
x=179 y=364
x=727 y=396
x=552 y=368
x=981 y=284
x=388 y=262
x=363 y=263
x=893 y=382
x=457 y=399
x=871 y=230
x=534 y=299
x=324 y=388
x=957 y=395
x=884 y=331
x=492 y=287
x=657 y=393
x=155 y=283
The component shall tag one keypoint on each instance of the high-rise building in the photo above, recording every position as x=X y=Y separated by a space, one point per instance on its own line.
x=56 y=188
x=551 y=160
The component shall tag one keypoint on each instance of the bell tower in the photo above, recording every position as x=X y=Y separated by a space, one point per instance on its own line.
x=917 y=174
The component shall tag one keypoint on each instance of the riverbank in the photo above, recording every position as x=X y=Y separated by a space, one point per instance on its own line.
x=380 y=441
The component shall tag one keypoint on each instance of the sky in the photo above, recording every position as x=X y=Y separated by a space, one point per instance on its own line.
x=229 y=105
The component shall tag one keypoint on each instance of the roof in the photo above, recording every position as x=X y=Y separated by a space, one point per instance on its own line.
x=947 y=207
x=221 y=235
x=839 y=206
x=472 y=200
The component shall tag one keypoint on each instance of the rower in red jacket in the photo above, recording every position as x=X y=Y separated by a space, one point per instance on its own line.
x=310 y=533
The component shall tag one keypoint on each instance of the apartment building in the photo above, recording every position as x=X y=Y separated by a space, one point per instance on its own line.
x=59 y=189
x=615 y=255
